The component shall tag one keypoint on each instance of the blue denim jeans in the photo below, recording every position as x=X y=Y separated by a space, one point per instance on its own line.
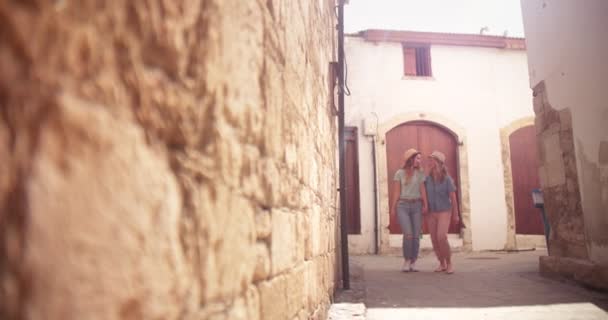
x=410 y=220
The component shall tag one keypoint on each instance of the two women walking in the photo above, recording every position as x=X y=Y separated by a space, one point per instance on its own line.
x=434 y=196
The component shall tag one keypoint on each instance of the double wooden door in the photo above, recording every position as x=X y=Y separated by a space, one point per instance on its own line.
x=426 y=137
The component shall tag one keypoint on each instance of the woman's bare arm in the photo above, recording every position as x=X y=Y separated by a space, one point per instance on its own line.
x=455 y=216
x=396 y=191
x=425 y=203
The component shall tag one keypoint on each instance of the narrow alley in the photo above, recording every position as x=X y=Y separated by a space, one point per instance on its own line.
x=486 y=285
x=263 y=160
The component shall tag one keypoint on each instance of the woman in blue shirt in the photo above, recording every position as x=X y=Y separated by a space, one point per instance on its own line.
x=442 y=209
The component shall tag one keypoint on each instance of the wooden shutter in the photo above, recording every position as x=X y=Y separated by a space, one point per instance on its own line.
x=423 y=62
x=409 y=61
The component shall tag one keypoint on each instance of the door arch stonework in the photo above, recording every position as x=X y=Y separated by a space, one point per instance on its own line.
x=512 y=236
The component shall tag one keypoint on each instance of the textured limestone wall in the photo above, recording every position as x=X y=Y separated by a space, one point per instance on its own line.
x=166 y=159
x=559 y=178
x=572 y=77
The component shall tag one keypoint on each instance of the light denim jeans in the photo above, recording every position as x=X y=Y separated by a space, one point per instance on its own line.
x=410 y=220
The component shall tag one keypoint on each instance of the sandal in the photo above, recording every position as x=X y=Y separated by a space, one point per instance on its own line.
x=449 y=270
x=440 y=269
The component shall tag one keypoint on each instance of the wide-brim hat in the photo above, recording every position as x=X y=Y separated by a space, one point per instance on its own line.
x=438 y=155
x=410 y=153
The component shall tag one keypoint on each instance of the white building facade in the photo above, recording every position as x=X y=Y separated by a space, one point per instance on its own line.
x=465 y=95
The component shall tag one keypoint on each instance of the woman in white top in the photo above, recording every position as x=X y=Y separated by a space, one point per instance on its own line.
x=410 y=201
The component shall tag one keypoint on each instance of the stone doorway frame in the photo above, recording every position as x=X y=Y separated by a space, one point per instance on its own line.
x=463 y=170
x=514 y=241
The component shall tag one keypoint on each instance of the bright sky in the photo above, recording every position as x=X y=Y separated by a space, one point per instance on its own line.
x=455 y=16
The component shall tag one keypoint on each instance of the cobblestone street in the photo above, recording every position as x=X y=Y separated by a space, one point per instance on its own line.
x=488 y=285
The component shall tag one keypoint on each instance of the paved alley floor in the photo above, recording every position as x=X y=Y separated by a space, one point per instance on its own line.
x=489 y=285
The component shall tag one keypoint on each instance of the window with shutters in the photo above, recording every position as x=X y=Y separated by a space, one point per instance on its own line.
x=416 y=60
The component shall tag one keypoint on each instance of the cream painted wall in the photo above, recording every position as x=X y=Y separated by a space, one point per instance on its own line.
x=567 y=49
x=479 y=89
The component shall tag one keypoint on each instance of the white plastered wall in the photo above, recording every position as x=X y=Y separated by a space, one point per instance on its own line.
x=477 y=89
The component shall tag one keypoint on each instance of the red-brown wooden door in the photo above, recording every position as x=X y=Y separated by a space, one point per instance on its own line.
x=426 y=137
x=351 y=168
x=524 y=168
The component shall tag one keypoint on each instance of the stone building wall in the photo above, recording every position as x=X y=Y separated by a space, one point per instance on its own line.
x=568 y=242
x=167 y=159
x=559 y=178
x=572 y=105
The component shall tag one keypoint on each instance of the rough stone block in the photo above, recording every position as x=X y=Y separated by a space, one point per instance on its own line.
x=310 y=286
x=263 y=224
x=302 y=315
x=262 y=267
x=315 y=230
x=567 y=142
x=274 y=95
x=539 y=104
x=320 y=280
x=252 y=301
x=554 y=162
x=314 y=175
x=570 y=163
x=331 y=229
x=271 y=179
x=237 y=311
x=552 y=129
x=303 y=234
x=273 y=298
x=296 y=291
x=290 y=156
x=565 y=119
x=98 y=220
x=283 y=242
x=251 y=181
x=230 y=266
x=538 y=124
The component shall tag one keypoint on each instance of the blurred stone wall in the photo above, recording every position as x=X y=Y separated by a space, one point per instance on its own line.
x=167 y=159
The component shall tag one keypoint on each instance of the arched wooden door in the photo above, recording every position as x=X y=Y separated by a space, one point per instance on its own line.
x=524 y=168
x=426 y=137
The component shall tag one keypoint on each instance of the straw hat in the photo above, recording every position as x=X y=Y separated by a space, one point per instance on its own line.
x=438 y=155
x=410 y=153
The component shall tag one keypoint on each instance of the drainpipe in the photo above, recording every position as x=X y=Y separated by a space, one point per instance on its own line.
x=341 y=146
x=374 y=134
x=375 y=195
